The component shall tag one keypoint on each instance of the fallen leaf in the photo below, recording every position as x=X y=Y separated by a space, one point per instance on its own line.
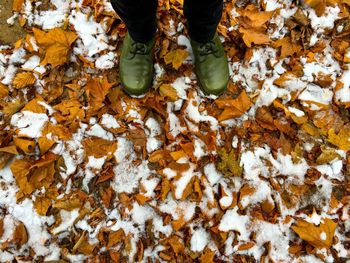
x=56 y=44
x=1 y=227
x=288 y=48
x=96 y=90
x=233 y=108
x=342 y=139
x=99 y=147
x=327 y=155
x=207 y=256
x=166 y=90
x=23 y=80
x=17 y=5
x=68 y=204
x=41 y=205
x=20 y=236
x=253 y=17
x=229 y=163
x=25 y=145
x=176 y=58
x=320 y=236
x=252 y=36
x=3 y=91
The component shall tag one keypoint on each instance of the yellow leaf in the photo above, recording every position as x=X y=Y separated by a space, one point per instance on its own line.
x=98 y=147
x=318 y=5
x=23 y=80
x=68 y=204
x=3 y=91
x=288 y=48
x=43 y=175
x=9 y=149
x=176 y=58
x=342 y=139
x=12 y=107
x=97 y=89
x=26 y=146
x=56 y=44
x=207 y=256
x=318 y=236
x=234 y=108
x=166 y=90
x=41 y=205
x=20 y=170
x=115 y=237
x=35 y=106
x=251 y=36
x=327 y=155
x=17 y=5
x=253 y=17
x=229 y=163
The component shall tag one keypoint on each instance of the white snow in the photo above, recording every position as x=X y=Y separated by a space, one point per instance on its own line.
x=29 y=123
x=199 y=240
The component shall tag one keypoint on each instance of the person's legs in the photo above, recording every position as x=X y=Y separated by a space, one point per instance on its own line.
x=136 y=59
x=203 y=17
x=139 y=17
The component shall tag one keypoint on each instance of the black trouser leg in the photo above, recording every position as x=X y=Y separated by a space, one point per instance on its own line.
x=139 y=17
x=203 y=17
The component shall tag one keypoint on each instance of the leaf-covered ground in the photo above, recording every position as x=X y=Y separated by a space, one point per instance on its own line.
x=259 y=174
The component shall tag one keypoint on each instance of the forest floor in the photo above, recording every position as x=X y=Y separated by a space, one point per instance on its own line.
x=259 y=174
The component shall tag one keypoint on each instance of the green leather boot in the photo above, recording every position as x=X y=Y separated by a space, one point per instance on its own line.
x=211 y=66
x=136 y=66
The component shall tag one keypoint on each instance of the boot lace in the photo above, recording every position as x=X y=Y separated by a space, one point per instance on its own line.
x=139 y=48
x=207 y=48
